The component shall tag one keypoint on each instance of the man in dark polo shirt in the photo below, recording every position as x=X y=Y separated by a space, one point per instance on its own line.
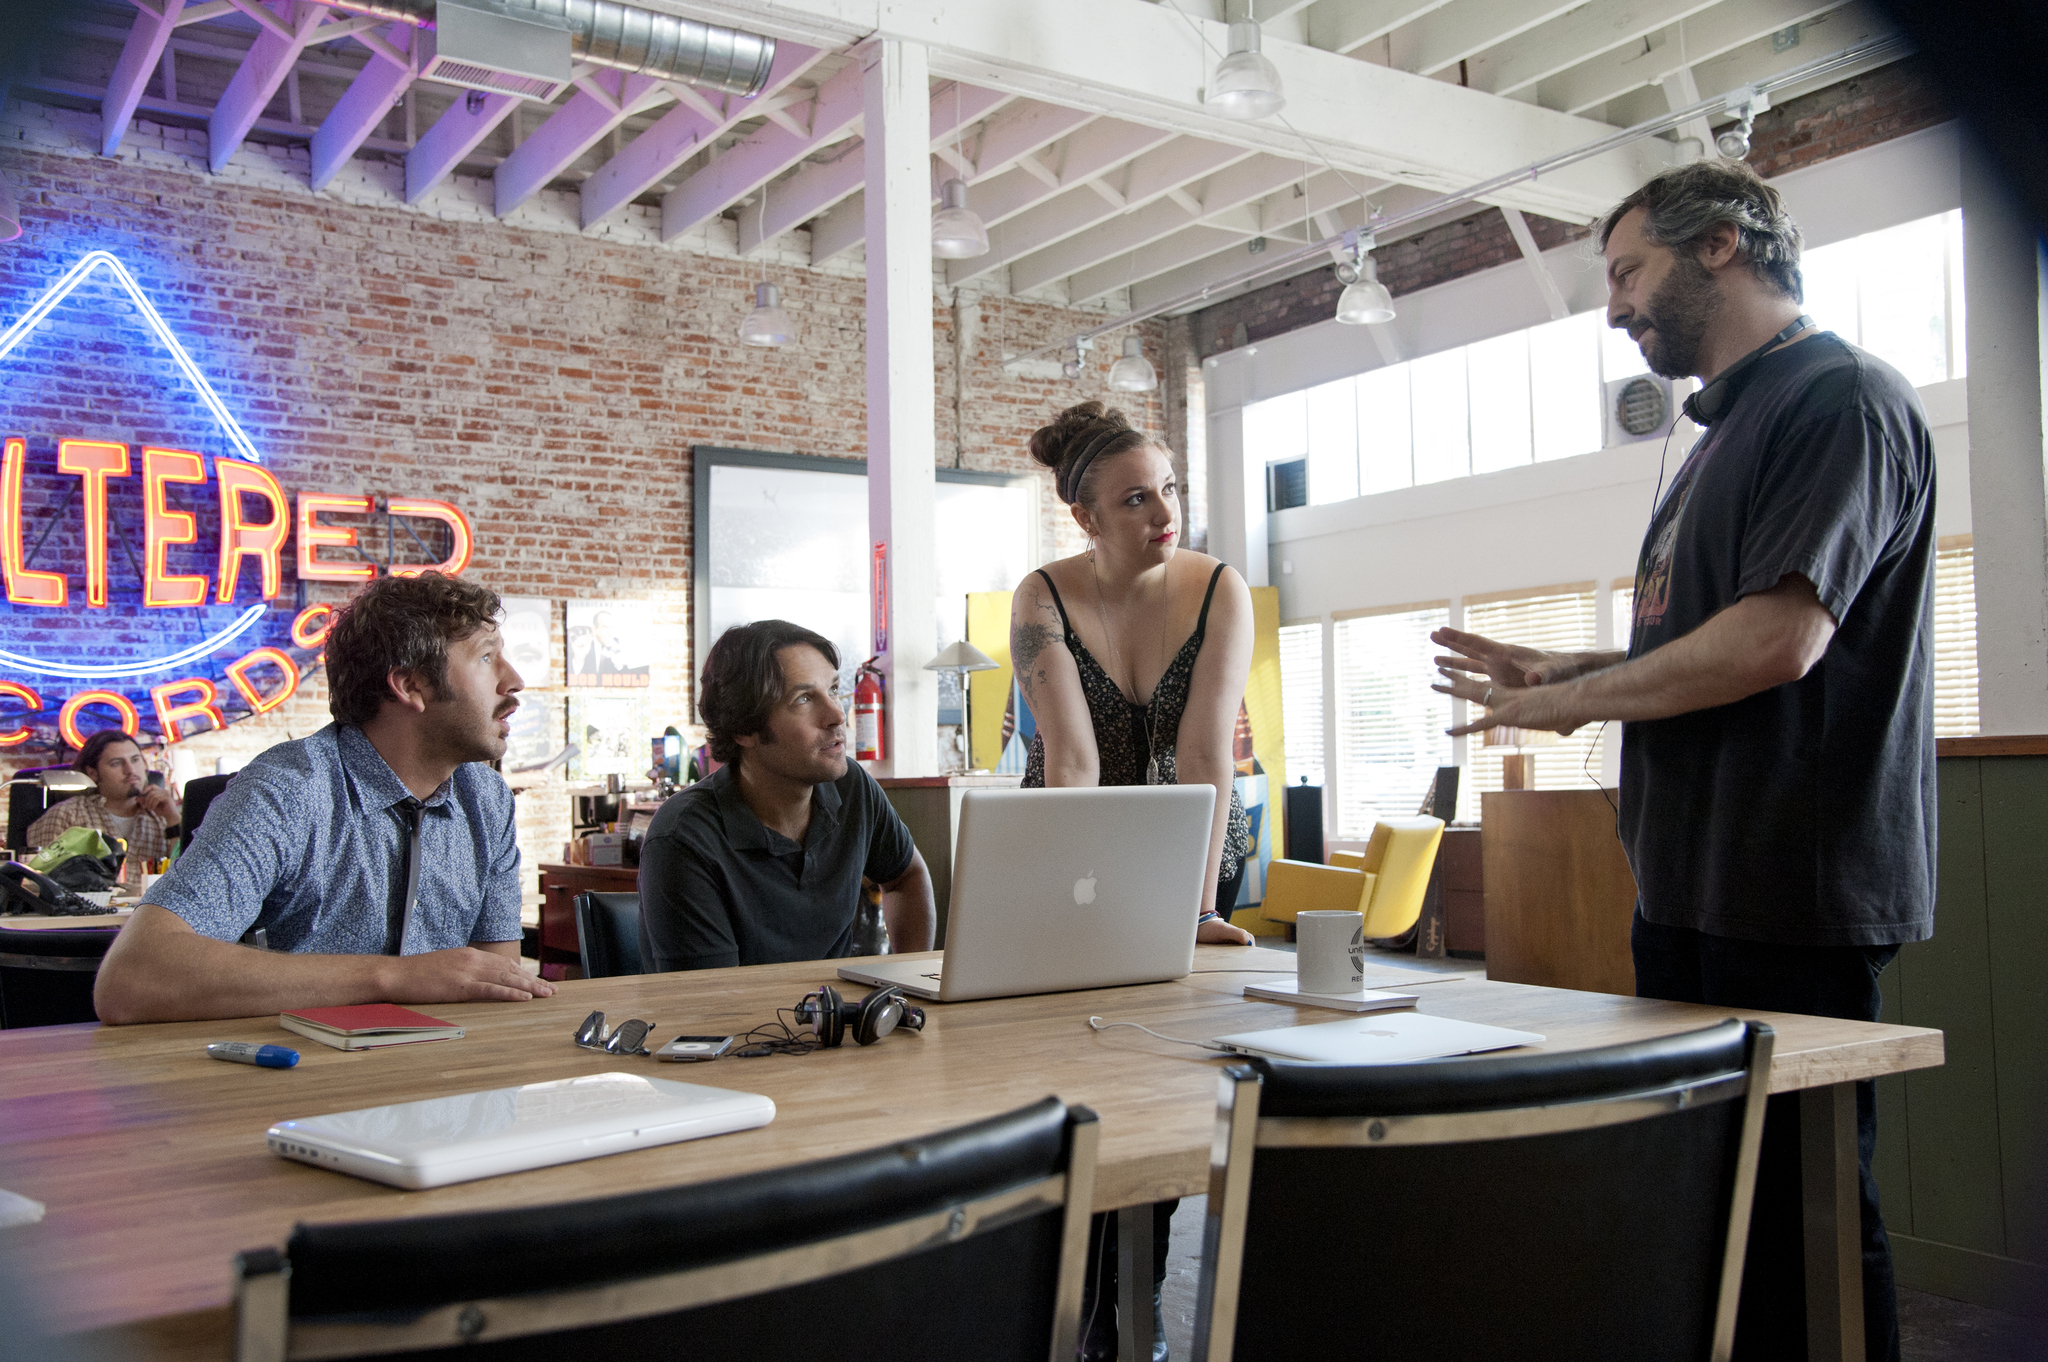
x=1777 y=763
x=762 y=861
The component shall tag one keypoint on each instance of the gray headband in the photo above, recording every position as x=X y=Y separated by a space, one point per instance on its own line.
x=1070 y=480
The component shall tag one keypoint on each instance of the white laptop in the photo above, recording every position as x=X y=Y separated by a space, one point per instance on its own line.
x=1385 y=1038
x=508 y=1130
x=1065 y=889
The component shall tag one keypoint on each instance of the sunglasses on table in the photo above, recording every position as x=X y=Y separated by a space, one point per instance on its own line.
x=627 y=1038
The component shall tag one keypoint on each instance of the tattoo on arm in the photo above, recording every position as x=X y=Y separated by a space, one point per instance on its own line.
x=1027 y=641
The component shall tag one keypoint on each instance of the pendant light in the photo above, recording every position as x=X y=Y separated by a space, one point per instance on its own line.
x=1133 y=373
x=767 y=324
x=1247 y=85
x=958 y=232
x=1365 y=300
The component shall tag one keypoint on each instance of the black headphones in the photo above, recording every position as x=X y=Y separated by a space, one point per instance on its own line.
x=831 y=1016
x=1711 y=403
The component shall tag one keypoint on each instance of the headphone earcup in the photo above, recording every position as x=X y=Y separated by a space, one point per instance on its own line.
x=825 y=1010
x=878 y=1014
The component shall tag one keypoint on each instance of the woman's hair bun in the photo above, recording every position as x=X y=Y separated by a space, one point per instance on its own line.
x=1074 y=431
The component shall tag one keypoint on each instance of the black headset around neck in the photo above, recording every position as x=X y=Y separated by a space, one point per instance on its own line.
x=1711 y=403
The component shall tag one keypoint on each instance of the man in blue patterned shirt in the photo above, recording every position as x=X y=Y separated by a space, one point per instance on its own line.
x=376 y=859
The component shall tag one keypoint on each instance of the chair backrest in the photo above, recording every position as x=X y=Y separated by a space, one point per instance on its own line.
x=200 y=792
x=608 y=934
x=1296 y=887
x=1402 y=853
x=1591 y=1202
x=46 y=977
x=968 y=1243
x=29 y=797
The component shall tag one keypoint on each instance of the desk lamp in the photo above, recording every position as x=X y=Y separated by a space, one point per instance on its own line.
x=961 y=658
x=1517 y=767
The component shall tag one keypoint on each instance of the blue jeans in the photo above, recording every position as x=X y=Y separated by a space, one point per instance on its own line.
x=1687 y=966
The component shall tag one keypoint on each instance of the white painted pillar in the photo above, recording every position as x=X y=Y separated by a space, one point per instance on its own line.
x=2006 y=320
x=902 y=401
x=1237 y=488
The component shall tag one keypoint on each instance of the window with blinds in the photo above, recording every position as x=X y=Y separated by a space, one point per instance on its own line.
x=1554 y=620
x=1955 y=639
x=1301 y=700
x=1390 y=724
x=1624 y=613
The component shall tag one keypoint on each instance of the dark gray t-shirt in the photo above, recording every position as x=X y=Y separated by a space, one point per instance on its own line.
x=1805 y=814
x=718 y=888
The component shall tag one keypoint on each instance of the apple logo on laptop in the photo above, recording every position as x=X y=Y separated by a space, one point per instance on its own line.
x=1084 y=888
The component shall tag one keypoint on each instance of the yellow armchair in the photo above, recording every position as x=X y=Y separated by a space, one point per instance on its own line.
x=1388 y=884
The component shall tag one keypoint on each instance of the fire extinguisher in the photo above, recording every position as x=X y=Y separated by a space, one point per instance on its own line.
x=870 y=743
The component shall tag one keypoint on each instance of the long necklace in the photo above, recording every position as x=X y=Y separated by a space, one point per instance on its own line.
x=1116 y=657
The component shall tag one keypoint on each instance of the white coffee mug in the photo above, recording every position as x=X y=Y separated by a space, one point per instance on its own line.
x=1329 y=952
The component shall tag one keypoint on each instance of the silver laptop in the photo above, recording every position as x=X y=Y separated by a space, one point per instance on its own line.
x=1065 y=889
x=1387 y=1038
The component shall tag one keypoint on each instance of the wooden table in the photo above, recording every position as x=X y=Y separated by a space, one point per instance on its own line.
x=151 y=1158
x=43 y=922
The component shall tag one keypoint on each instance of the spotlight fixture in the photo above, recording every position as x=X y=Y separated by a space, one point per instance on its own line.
x=1074 y=359
x=1734 y=142
x=957 y=230
x=1247 y=85
x=1133 y=373
x=767 y=324
x=1365 y=300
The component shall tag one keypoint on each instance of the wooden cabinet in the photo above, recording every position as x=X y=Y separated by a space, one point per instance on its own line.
x=1559 y=892
x=561 y=957
x=1461 y=872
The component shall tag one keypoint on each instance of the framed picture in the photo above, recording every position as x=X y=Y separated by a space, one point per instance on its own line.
x=612 y=732
x=529 y=630
x=611 y=644
x=536 y=733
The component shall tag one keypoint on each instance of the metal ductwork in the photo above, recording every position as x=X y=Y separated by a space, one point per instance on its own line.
x=470 y=35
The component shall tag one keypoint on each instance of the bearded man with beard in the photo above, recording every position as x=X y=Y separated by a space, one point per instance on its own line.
x=376 y=860
x=1777 y=769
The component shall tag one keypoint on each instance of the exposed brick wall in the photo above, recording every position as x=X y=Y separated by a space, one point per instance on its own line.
x=1889 y=102
x=549 y=383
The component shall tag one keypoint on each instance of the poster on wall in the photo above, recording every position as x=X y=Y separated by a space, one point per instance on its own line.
x=536 y=733
x=611 y=644
x=612 y=733
x=528 y=627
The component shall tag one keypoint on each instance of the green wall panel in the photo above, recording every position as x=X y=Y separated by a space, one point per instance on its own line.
x=2015 y=792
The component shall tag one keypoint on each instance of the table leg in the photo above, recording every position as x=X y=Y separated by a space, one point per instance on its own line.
x=1833 y=1221
x=1134 y=1282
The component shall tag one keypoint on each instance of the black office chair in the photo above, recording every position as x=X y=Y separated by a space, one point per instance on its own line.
x=1584 y=1203
x=968 y=1243
x=29 y=798
x=200 y=791
x=608 y=934
x=46 y=977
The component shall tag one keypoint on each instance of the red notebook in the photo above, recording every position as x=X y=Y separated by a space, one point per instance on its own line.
x=366 y=1026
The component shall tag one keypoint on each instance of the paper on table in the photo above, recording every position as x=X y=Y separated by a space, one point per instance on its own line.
x=16 y=1209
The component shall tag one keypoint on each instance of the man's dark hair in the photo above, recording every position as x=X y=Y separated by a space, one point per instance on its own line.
x=1684 y=204
x=399 y=624
x=96 y=746
x=742 y=681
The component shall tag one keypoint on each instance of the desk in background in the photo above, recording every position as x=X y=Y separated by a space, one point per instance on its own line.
x=1559 y=891
x=146 y=1253
x=930 y=807
x=558 y=951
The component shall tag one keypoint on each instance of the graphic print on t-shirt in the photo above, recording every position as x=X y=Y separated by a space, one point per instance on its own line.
x=1653 y=572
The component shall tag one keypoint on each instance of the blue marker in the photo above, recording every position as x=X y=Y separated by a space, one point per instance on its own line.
x=264 y=1056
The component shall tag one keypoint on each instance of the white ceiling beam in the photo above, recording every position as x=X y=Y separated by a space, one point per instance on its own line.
x=141 y=52
x=571 y=130
x=1347 y=25
x=199 y=14
x=657 y=152
x=1096 y=149
x=454 y=135
x=1443 y=38
x=1144 y=63
x=1583 y=34
x=1711 y=33
x=760 y=156
x=1023 y=129
x=1532 y=255
x=815 y=188
x=1176 y=164
x=269 y=61
x=363 y=106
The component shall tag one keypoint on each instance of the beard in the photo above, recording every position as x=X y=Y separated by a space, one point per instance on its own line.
x=1677 y=316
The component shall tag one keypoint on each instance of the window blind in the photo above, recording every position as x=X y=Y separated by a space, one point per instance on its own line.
x=1301 y=700
x=1955 y=641
x=1554 y=621
x=1390 y=724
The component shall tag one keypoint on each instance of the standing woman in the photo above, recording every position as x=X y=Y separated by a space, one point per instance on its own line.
x=1133 y=656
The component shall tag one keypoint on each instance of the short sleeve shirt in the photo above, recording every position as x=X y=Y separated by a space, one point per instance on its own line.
x=719 y=888
x=308 y=843
x=1805 y=814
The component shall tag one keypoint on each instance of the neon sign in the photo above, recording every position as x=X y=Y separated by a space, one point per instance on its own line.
x=159 y=645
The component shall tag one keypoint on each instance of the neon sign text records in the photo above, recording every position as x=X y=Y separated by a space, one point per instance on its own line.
x=179 y=556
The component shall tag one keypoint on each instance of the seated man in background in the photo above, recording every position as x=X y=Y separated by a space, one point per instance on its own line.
x=376 y=859
x=762 y=862
x=125 y=804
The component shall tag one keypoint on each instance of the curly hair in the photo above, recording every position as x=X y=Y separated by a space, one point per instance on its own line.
x=1077 y=442
x=400 y=624
x=742 y=681
x=1682 y=205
